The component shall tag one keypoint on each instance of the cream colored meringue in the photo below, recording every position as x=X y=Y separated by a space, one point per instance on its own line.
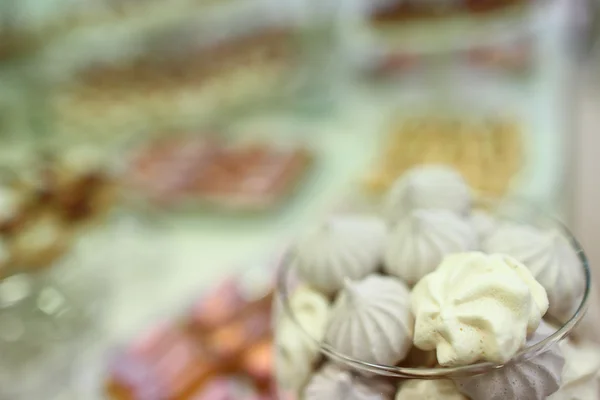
x=297 y=340
x=483 y=223
x=440 y=389
x=534 y=379
x=371 y=321
x=418 y=243
x=334 y=383
x=476 y=307
x=431 y=187
x=343 y=247
x=550 y=258
x=581 y=374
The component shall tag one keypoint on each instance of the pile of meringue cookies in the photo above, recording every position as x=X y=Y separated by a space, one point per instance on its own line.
x=433 y=283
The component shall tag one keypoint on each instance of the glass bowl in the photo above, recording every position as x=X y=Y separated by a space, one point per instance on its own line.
x=505 y=211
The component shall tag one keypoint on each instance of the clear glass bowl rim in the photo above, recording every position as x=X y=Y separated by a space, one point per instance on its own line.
x=282 y=295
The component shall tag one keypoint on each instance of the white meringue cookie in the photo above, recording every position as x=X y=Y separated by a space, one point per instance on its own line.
x=343 y=247
x=550 y=258
x=430 y=187
x=483 y=223
x=534 y=379
x=419 y=242
x=371 y=321
x=439 y=389
x=333 y=383
x=296 y=341
x=476 y=307
x=581 y=374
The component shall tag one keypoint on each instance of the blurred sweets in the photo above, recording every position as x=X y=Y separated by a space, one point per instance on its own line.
x=44 y=208
x=249 y=177
x=513 y=58
x=394 y=11
x=487 y=152
x=221 y=351
x=158 y=89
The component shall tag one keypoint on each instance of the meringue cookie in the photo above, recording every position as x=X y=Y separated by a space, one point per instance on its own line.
x=430 y=187
x=429 y=390
x=296 y=341
x=371 y=321
x=476 y=307
x=349 y=246
x=483 y=223
x=550 y=258
x=581 y=374
x=419 y=242
x=534 y=379
x=333 y=383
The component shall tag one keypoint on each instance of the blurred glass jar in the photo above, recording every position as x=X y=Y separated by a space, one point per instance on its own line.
x=42 y=332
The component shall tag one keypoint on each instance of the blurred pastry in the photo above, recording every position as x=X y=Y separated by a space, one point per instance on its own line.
x=487 y=152
x=12 y=207
x=40 y=242
x=391 y=12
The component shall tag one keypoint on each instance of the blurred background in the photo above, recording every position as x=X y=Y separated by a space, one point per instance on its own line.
x=157 y=156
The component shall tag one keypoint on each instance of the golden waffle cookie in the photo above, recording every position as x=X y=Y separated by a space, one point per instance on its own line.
x=487 y=152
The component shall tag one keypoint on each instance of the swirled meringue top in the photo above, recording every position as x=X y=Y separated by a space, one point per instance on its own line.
x=550 y=258
x=430 y=187
x=334 y=383
x=476 y=307
x=534 y=379
x=343 y=247
x=418 y=243
x=371 y=321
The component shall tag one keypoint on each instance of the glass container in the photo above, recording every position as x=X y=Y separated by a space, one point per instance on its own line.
x=43 y=330
x=513 y=211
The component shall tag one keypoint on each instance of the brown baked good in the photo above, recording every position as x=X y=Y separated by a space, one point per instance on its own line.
x=39 y=242
x=399 y=11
